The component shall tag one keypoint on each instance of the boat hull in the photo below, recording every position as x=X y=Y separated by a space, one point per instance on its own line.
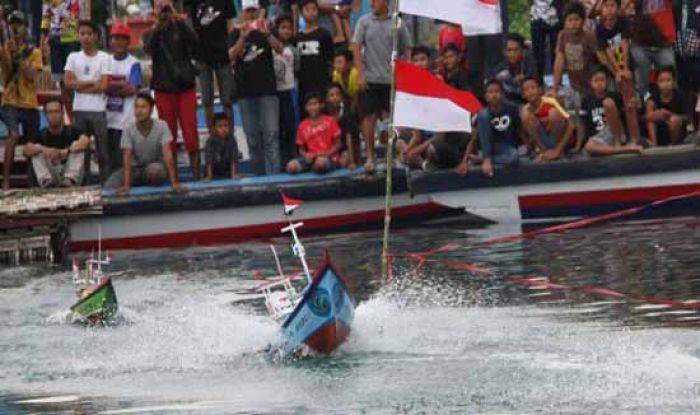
x=99 y=306
x=321 y=321
x=571 y=189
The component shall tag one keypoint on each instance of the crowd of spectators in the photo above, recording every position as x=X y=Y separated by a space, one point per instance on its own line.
x=598 y=77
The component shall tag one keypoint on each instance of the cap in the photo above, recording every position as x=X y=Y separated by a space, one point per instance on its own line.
x=17 y=17
x=250 y=4
x=120 y=29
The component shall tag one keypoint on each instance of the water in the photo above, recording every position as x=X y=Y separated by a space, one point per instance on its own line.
x=433 y=340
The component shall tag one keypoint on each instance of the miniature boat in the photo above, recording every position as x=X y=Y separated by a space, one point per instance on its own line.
x=97 y=299
x=318 y=319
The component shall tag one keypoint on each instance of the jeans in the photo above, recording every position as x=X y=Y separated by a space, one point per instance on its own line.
x=643 y=57
x=260 y=117
x=287 y=126
x=108 y=153
x=224 y=79
x=540 y=32
x=500 y=152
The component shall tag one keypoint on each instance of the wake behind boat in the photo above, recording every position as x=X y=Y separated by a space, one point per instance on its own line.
x=315 y=321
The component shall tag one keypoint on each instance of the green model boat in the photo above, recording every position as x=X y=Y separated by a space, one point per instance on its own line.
x=99 y=305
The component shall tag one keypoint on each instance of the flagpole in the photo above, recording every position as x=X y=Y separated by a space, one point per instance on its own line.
x=390 y=144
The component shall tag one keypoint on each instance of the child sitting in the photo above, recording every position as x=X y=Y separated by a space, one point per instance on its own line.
x=221 y=151
x=547 y=124
x=338 y=106
x=600 y=113
x=665 y=110
x=318 y=140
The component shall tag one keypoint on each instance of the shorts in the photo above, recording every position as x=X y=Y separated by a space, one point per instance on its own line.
x=446 y=152
x=21 y=122
x=375 y=99
x=604 y=137
x=180 y=109
x=333 y=162
x=688 y=70
x=224 y=79
x=59 y=56
x=547 y=139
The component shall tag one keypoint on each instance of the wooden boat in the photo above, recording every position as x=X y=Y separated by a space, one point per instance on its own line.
x=318 y=319
x=97 y=300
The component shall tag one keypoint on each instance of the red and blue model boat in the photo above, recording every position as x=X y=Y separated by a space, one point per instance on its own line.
x=317 y=320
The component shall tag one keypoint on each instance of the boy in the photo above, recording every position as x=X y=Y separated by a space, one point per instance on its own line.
x=514 y=68
x=345 y=74
x=548 y=126
x=318 y=140
x=338 y=105
x=498 y=126
x=124 y=83
x=455 y=75
x=613 y=35
x=420 y=56
x=286 y=62
x=221 y=151
x=601 y=117
x=87 y=74
x=315 y=47
x=665 y=110
x=21 y=64
x=576 y=53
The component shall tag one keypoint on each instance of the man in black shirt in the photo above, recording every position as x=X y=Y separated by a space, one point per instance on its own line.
x=213 y=20
x=315 y=46
x=251 y=54
x=58 y=154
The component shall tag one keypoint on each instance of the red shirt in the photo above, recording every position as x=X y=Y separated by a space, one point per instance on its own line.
x=451 y=34
x=318 y=137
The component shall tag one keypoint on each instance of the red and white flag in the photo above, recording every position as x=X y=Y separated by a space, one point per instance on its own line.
x=477 y=17
x=289 y=204
x=423 y=101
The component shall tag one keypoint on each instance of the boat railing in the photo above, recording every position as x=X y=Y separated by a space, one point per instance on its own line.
x=280 y=297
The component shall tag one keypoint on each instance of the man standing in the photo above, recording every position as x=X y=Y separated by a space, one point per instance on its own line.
x=251 y=54
x=20 y=63
x=58 y=153
x=213 y=20
x=87 y=74
x=372 y=46
x=124 y=84
x=172 y=45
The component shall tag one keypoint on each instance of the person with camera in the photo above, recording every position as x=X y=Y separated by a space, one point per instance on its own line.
x=20 y=62
x=172 y=45
x=251 y=54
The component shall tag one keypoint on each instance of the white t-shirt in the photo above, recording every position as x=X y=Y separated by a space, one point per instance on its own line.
x=284 y=69
x=89 y=68
x=120 y=110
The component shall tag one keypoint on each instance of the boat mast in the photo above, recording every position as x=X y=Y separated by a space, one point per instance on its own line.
x=297 y=247
x=390 y=145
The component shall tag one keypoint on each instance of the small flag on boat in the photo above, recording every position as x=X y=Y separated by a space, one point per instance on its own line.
x=289 y=204
x=425 y=102
x=477 y=17
x=76 y=270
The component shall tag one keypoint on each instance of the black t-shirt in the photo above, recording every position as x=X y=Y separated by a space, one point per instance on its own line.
x=612 y=38
x=676 y=105
x=505 y=123
x=316 y=57
x=221 y=154
x=593 y=112
x=255 y=70
x=209 y=19
x=61 y=141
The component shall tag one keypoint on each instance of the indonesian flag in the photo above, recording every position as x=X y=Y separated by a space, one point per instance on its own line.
x=477 y=17
x=425 y=102
x=289 y=204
